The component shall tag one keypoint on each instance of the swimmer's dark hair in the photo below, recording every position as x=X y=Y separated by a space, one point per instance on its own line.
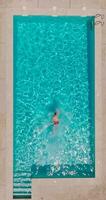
x=55 y=113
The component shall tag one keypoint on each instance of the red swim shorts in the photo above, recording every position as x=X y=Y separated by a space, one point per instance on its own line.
x=56 y=123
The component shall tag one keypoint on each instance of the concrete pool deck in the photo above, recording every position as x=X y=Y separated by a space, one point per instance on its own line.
x=51 y=189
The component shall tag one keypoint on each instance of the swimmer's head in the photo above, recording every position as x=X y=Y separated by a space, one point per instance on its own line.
x=55 y=113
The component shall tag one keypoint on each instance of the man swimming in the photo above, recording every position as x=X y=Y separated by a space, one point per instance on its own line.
x=55 y=118
x=55 y=121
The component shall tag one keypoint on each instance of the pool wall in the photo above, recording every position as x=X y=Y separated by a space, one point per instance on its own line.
x=58 y=189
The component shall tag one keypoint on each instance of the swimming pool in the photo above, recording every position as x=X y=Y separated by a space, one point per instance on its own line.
x=53 y=70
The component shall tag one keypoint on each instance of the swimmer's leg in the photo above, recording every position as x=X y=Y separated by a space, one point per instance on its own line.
x=43 y=128
x=55 y=129
x=46 y=126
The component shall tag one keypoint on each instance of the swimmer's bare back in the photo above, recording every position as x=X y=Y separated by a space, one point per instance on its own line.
x=55 y=119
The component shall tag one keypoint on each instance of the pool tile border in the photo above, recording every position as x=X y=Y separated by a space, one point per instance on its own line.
x=93 y=184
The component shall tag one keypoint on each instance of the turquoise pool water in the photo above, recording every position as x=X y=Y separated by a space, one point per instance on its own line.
x=53 y=70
